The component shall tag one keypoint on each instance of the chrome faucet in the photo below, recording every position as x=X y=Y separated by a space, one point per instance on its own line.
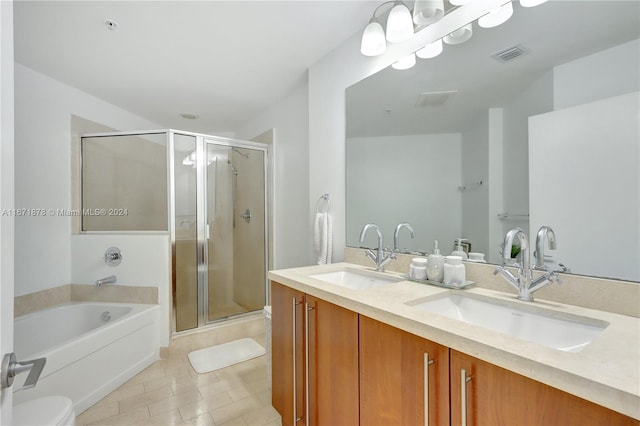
x=544 y=231
x=381 y=256
x=524 y=282
x=106 y=280
x=396 y=235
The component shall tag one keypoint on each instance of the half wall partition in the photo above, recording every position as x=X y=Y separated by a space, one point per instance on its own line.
x=212 y=200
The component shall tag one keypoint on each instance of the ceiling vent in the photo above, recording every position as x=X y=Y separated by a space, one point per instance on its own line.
x=509 y=54
x=434 y=99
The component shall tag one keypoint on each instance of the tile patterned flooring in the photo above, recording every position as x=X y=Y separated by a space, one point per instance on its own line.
x=170 y=392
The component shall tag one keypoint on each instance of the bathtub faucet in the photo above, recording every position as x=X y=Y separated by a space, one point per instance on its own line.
x=106 y=280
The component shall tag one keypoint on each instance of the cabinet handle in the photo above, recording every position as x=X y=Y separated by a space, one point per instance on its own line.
x=306 y=331
x=295 y=376
x=463 y=396
x=427 y=363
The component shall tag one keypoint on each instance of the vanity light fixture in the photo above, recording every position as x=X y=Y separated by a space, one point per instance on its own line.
x=406 y=62
x=460 y=35
x=373 y=40
x=399 y=29
x=427 y=12
x=399 y=23
x=496 y=17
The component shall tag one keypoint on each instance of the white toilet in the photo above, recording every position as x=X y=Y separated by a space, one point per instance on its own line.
x=46 y=411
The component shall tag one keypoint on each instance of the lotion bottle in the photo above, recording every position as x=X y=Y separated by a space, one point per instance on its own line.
x=435 y=265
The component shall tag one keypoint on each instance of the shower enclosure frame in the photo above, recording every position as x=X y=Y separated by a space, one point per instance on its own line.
x=202 y=140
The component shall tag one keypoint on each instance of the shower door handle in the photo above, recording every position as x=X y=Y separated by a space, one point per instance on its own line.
x=246 y=215
x=11 y=368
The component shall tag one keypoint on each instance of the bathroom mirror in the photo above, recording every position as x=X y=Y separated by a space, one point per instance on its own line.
x=531 y=123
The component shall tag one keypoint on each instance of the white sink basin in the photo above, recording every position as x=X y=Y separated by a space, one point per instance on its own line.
x=569 y=334
x=354 y=279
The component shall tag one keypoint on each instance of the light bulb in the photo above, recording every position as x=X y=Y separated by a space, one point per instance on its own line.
x=426 y=12
x=399 y=24
x=373 y=42
x=406 y=62
x=460 y=35
x=496 y=17
x=431 y=50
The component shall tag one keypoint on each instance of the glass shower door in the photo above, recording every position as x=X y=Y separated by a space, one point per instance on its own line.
x=234 y=229
x=185 y=247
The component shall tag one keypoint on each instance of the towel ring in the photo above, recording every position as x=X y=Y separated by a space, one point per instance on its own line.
x=324 y=197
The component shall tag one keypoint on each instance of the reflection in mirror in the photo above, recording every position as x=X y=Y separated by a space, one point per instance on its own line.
x=473 y=143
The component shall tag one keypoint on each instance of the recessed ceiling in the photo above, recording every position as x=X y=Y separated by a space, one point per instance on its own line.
x=224 y=61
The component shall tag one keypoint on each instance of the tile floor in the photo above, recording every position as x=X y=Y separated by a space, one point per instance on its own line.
x=170 y=392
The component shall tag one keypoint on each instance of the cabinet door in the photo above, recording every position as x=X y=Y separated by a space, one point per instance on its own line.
x=287 y=348
x=393 y=383
x=490 y=395
x=333 y=364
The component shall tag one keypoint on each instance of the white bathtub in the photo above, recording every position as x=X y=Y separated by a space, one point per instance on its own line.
x=87 y=355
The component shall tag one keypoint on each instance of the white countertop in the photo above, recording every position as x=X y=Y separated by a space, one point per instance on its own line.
x=606 y=372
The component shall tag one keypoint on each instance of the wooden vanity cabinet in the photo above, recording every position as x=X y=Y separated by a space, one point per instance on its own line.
x=333 y=366
x=485 y=394
x=314 y=360
x=399 y=371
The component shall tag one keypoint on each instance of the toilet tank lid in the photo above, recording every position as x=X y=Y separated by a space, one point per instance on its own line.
x=49 y=410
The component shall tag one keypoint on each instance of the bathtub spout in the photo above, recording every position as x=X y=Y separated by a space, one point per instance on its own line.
x=106 y=280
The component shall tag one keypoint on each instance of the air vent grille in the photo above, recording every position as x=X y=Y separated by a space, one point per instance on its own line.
x=433 y=99
x=509 y=54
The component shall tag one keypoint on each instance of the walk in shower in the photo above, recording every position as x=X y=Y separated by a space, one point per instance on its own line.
x=208 y=192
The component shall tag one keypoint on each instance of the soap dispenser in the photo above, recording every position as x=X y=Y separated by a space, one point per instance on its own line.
x=435 y=265
x=458 y=251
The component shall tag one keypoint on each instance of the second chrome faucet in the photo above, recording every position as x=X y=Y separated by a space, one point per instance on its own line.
x=524 y=282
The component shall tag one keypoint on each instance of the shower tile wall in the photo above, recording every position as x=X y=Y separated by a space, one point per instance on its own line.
x=247 y=292
x=222 y=224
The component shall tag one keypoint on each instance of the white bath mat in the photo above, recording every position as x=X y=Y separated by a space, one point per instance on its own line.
x=224 y=355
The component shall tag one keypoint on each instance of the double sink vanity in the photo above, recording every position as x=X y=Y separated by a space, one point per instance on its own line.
x=354 y=346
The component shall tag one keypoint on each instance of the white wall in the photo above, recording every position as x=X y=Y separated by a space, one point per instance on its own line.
x=6 y=195
x=585 y=158
x=607 y=73
x=380 y=167
x=290 y=118
x=145 y=261
x=43 y=109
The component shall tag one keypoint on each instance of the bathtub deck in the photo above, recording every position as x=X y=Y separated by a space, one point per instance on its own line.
x=170 y=392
